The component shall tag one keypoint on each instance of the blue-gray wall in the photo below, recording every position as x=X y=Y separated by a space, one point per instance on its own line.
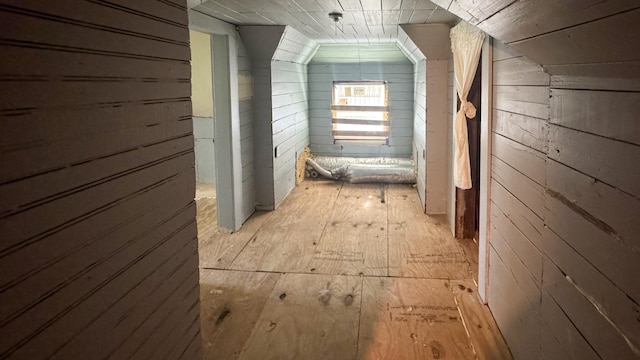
x=204 y=149
x=420 y=126
x=246 y=100
x=290 y=109
x=401 y=106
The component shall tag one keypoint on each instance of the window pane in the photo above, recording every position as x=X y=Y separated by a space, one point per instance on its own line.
x=352 y=120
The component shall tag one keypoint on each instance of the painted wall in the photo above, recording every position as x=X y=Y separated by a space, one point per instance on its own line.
x=400 y=77
x=279 y=56
x=420 y=127
x=430 y=42
x=564 y=206
x=99 y=241
x=202 y=102
x=201 y=87
x=237 y=164
x=452 y=99
x=204 y=148
x=290 y=108
x=437 y=133
x=246 y=116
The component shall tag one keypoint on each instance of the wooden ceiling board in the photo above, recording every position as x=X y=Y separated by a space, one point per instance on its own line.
x=525 y=19
x=350 y=5
x=601 y=41
x=371 y=5
x=441 y=16
x=341 y=53
x=391 y=5
x=419 y=16
x=364 y=21
x=482 y=10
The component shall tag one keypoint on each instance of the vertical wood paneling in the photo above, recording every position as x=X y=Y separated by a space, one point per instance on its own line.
x=97 y=164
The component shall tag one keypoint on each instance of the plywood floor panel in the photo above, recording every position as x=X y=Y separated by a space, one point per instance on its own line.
x=421 y=245
x=411 y=319
x=231 y=303
x=335 y=273
x=287 y=242
x=217 y=247
x=308 y=317
x=354 y=240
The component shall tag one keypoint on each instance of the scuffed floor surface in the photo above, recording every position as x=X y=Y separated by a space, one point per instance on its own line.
x=341 y=271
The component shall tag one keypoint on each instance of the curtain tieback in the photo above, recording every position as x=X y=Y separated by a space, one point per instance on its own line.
x=468 y=109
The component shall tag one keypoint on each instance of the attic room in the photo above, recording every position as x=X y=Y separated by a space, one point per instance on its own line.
x=157 y=198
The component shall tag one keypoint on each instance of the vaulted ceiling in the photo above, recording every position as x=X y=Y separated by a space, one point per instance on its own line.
x=364 y=21
x=594 y=38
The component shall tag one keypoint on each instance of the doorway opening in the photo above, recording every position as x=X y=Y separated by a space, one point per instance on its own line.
x=467 y=203
x=203 y=130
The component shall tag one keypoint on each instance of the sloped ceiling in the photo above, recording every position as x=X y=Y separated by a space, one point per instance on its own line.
x=344 y=53
x=364 y=22
x=596 y=38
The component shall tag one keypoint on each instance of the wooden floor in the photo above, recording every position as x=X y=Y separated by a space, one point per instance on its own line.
x=341 y=271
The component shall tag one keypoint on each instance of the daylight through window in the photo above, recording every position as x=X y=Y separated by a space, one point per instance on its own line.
x=360 y=111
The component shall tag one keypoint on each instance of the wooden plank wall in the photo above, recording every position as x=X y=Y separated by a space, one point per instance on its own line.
x=420 y=126
x=564 y=209
x=98 y=256
x=437 y=131
x=246 y=112
x=452 y=99
x=519 y=136
x=401 y=112
x=290 y=108
x=261 y=43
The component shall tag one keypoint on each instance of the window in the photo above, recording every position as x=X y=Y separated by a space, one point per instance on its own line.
x=360 y=111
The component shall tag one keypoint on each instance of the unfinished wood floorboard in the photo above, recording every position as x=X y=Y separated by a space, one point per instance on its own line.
x=231 y=303
x=355 y=238
x=287 y=243
x=308 y=316
x=411 y=319
x=218 y=247
x=485 y=336
x=470 y=251
x=421 y=245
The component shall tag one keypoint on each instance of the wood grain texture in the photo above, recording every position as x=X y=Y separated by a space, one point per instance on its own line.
x=354 y=240
x=288 y=244
x=231 y=303
x=410 y=253
x=483 y=331
x=596 y=112
x=524 y=19
x=308 y=317
x=524 y=100
x=597 y=156
x=519 y=319
x=600 y=41
x=97 y=153
x=416 y=318
x=526 y=130
x=605 y=338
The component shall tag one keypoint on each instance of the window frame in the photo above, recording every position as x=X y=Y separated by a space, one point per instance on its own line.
x=379 y=114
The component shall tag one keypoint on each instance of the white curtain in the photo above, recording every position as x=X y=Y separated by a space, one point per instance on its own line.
x=466 y=44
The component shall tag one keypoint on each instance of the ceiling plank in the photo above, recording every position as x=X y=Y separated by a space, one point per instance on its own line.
x=482 y=10
x=525 y=19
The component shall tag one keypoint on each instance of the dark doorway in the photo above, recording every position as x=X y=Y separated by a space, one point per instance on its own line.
x=468 y=201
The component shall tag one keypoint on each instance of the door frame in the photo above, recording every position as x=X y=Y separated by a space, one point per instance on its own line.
x=226 y=115
x=485 y=168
